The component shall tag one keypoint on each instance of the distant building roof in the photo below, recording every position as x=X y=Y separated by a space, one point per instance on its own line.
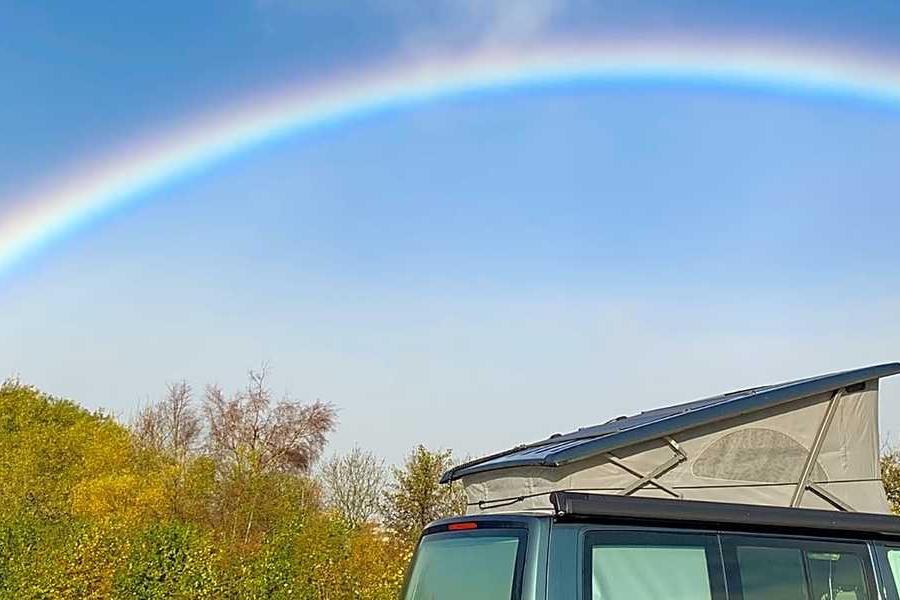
x=559 y=450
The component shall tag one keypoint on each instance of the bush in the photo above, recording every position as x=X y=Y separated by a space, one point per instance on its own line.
x=168 y=561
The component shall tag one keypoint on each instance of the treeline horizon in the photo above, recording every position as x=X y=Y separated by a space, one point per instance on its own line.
x=217 y=494
x=213 y=495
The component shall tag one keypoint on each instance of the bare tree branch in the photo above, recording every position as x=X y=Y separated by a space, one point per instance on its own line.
x=354 y=484
x=172 y=425
x=247 y=433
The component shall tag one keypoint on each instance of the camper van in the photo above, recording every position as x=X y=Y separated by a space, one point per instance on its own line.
x=770 y=493
x=601 y=547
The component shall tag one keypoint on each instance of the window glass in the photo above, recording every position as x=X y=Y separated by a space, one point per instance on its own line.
x=633 y=566
x=836 y=576
x=757 y=569
x=771 y=573
x=893 y=555
x=466 y=566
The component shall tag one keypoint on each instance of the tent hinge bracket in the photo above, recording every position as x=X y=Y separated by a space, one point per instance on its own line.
x=828 y=496
x=678 y=457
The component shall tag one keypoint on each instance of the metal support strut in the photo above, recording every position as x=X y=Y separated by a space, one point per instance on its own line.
x=678 y=457
x=811 y=458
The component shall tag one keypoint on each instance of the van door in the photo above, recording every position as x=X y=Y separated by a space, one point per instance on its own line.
x=759 y=567
x=649 y=565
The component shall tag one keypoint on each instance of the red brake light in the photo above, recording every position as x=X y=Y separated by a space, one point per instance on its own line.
x=462 y=526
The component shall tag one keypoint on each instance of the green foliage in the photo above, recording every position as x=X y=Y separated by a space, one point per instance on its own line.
x=168 y=561
x=48 y=446
x=416 y=497
x=67 y=560
x=890 y=476
x=90 y=510
x=18 y=535
x=318 y=556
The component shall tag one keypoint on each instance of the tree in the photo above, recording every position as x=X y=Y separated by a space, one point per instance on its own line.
x=171 y=426
x=248 y=433
x=416 y=497
x=890 y=477
x=49 y=447
x=263 y=452
x=353 y=485
x=170 y=432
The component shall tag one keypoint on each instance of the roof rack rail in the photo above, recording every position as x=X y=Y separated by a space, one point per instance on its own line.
x=580 y=505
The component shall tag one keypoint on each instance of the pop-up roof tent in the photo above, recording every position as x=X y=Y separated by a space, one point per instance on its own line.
x=809 y=443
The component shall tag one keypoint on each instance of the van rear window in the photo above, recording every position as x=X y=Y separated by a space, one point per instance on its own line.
x=483 y=564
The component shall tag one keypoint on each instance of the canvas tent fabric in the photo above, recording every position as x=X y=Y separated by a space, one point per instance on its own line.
x=810 y=443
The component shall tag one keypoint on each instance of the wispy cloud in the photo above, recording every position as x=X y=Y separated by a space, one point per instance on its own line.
x=497 y=21
x=442 y=24
x=475 y=22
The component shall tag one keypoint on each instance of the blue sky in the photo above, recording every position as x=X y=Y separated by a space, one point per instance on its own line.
x=541 y=260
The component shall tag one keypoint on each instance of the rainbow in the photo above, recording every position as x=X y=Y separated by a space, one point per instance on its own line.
x=94 y=192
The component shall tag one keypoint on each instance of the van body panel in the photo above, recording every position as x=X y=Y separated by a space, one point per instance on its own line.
x=623 y=556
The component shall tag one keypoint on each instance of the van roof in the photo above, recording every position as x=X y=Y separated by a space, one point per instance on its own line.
x=558 y=450
x=580 y=505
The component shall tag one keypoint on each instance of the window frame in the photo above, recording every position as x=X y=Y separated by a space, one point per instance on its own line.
x=885 y=574
x=858 y=548
x=593 y=538
x=499 y=529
